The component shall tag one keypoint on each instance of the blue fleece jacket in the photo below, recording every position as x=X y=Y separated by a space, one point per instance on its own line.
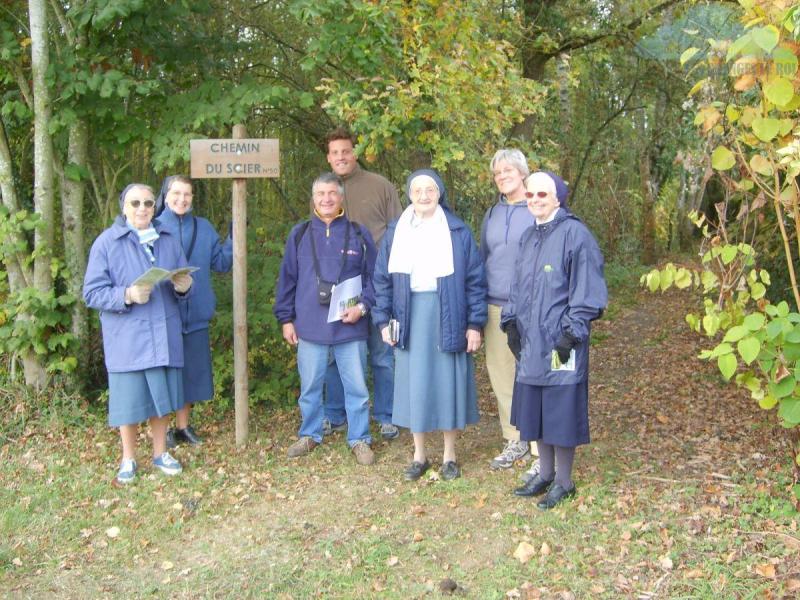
x=502 y=228
x=296 y=300
x=208 y=254
x=462 y=295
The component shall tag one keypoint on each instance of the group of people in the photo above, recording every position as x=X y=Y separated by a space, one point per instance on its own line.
x=365 y=281
x=155 y=335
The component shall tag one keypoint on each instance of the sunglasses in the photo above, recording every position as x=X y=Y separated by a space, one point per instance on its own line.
x=147 y=203
x=537 y=194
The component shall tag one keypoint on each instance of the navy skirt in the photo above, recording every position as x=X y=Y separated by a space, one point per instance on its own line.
x=433 y=390
x=555 y=414
x=136 y=396
x=198 y=381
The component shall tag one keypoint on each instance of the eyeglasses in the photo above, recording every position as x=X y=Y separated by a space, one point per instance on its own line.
x=537 y=194
x=147 y=203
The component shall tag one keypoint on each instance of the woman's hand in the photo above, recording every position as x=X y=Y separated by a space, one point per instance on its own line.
x=289 y=334
x=138 y=294
x=182 y=282
x=473 y=340
x=387 y=337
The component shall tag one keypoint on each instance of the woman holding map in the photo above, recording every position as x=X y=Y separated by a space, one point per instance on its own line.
x=204 y=250
x=141 y=324
x=430 y=288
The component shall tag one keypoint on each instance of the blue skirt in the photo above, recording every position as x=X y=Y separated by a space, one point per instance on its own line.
x=555 y=414
x=135 y=396
x=433 y=390
x=198 y=382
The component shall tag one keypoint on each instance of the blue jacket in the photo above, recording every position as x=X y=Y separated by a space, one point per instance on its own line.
x=296 y=300
x=462 y=295
x=208 y=254
x=558 y=287
x=139 y=336
x=502 y=227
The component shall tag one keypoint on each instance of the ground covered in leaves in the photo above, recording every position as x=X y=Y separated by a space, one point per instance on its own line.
x=683 y=493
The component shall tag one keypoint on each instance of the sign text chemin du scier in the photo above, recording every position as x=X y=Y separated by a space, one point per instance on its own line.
x=234 y=158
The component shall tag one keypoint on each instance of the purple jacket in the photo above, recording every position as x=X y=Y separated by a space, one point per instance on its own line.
x=140 y=336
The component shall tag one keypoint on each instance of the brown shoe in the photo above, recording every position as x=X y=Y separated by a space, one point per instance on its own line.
x=364 y=454
x=301 y=447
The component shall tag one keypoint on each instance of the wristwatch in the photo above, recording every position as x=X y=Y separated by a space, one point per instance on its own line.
x=363 y=308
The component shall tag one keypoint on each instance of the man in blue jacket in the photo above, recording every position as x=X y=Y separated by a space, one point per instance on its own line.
x=320 y=254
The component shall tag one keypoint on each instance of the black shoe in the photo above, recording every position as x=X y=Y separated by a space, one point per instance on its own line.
x=450 y=470
x=183 y=436
x=171 y=441
x=555 y=494
x=416 y=470
x=534 y=487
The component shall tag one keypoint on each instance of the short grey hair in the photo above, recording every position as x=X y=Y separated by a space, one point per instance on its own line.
x=513 y=157
x=328 y=178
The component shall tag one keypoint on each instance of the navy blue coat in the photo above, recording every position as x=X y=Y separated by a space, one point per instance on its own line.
x=558 y=287
x=296 y=300
x=462 y=295
x=208 y=254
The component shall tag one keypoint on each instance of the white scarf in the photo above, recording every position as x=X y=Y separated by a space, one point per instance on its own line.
x=147 y=237
x=422 y=246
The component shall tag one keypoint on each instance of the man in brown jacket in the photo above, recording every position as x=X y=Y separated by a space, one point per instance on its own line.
x=371 y=200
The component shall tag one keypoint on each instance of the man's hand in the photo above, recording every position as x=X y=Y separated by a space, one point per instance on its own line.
x=138 y=294
x=289 y=334
x=473 y=340
x=351 y=315
x=182 y=282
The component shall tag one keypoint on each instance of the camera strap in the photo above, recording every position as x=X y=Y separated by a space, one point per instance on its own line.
x=344 y=254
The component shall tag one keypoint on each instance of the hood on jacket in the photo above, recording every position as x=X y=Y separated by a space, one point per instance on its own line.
x=436 y=178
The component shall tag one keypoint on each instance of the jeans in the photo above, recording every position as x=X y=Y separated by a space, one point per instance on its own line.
x=312 y=363
x=381 y=359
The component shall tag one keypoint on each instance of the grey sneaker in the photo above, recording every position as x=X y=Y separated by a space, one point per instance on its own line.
x=531 y=473
x=389 y=431
x=363 y=453
x=328 y=428
x=513 y=452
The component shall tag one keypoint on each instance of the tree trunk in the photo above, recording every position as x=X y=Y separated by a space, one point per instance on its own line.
x=648 y=228
x=565 y=100
x=73 y=193
x=19 y=274
x=43 y=192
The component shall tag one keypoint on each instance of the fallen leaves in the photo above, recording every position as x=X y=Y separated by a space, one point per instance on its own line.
x=765 y=570
x=112 y=532
x=524 y=552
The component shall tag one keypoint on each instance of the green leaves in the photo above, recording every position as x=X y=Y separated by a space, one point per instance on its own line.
x=748 y=349
x=727 y=365
x=722 y=159
x=779 y=91
x=766 y=37
x=765 y=128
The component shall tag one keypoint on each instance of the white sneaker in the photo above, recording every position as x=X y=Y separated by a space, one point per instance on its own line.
x=513 y=452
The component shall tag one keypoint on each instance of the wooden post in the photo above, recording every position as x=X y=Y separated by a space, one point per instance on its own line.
x=239 y=202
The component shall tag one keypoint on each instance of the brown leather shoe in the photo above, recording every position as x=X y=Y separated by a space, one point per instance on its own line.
x=301 y=447
x=364 y=454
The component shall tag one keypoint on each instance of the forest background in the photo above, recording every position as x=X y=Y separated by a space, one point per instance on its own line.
x=100 y=93
x=626 y=100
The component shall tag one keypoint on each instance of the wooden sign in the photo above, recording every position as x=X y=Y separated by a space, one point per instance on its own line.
x=234 y=159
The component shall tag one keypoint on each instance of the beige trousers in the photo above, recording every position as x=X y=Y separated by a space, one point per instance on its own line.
x=501 y=366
